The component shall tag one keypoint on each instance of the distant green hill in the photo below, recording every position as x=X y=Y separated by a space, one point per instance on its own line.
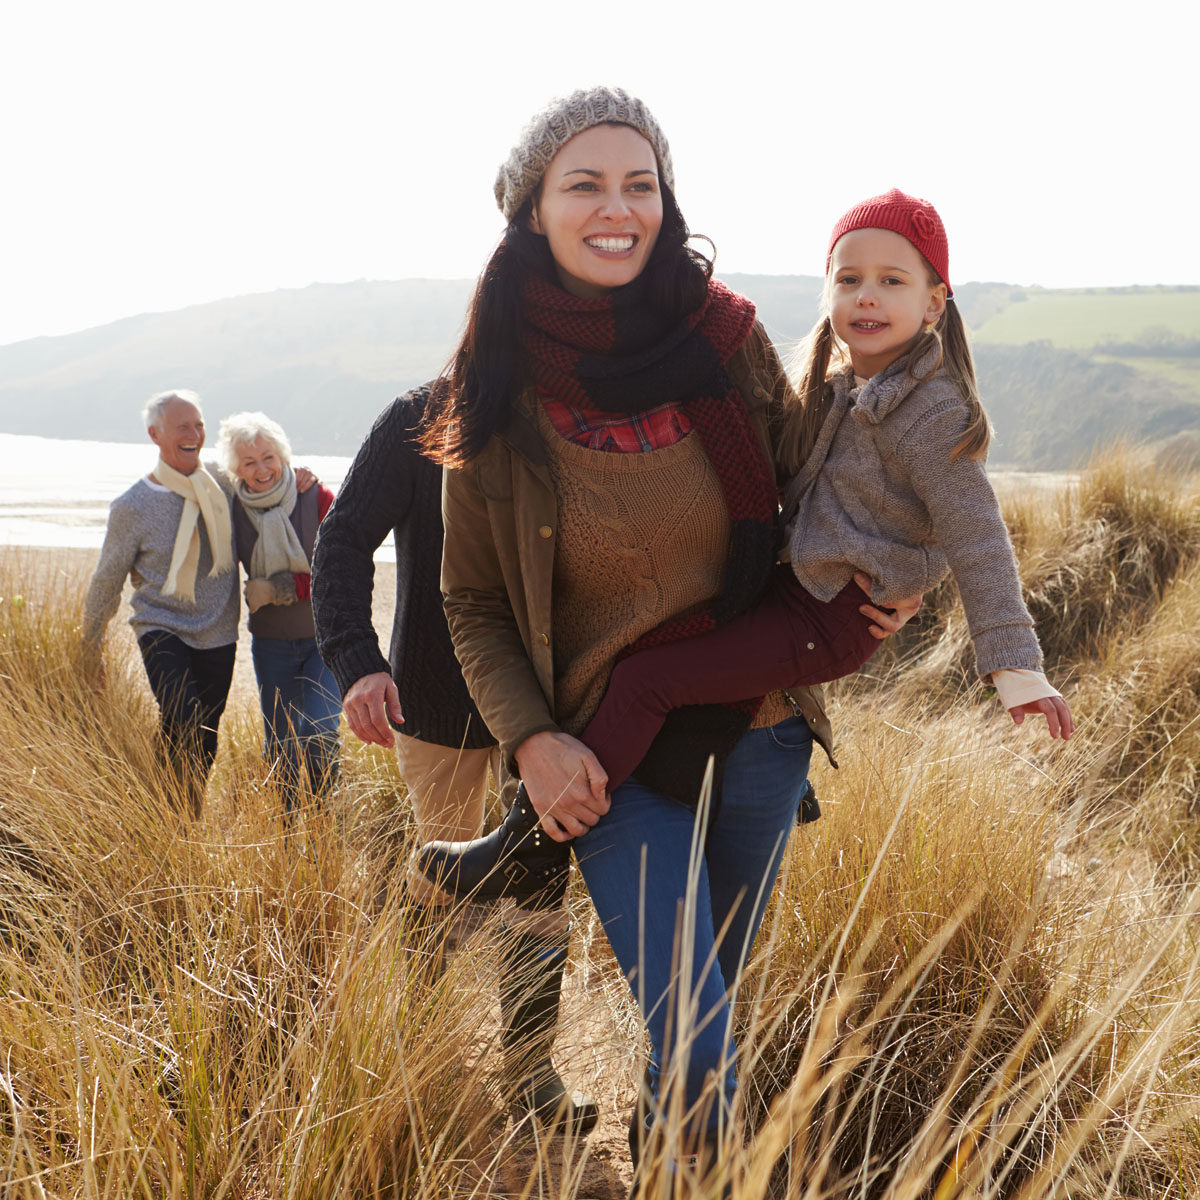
x=1153 y=331
x=1081 y=319
x=1060 y=371
x=324 y=359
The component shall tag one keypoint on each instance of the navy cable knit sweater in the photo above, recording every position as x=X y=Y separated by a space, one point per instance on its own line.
x=392 y=488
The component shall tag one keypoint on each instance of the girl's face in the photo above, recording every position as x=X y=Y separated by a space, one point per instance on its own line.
x=259 y=466
x=880 y=297
x=600 y=209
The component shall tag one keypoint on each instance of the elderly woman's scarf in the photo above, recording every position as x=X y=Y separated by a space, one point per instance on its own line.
x=618 y=354
x=202 y=497
x=278 y=548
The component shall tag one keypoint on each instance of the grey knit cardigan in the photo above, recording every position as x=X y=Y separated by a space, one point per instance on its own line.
x=881 y=494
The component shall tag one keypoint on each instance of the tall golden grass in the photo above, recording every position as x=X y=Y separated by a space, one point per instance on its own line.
x=979 y=976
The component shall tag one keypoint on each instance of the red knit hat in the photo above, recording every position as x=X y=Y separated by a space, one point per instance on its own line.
x=910 y=217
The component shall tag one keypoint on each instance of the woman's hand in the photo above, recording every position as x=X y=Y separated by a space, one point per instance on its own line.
x=258 y=592
x=885 y=623
x=368 y=704
x=565 y=781
x=1056 y=711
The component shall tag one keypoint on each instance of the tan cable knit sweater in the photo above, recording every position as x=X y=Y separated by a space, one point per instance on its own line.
x=642 y=538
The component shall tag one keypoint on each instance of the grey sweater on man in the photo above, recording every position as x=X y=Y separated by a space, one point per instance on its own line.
x=880 y=493
x=139 y=540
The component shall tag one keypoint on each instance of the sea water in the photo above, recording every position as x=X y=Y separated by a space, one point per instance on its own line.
x=56 y=491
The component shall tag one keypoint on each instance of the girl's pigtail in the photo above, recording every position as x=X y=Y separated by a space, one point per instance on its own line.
x=959 y=365
x=802 y=419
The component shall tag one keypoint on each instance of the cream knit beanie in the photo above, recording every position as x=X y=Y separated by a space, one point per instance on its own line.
x=550 y=130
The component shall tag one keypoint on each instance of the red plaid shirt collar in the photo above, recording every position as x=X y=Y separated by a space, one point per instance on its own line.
x=618 y=433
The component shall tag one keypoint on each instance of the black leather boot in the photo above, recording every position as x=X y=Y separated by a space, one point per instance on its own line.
x=530 y=985
x=518 y=859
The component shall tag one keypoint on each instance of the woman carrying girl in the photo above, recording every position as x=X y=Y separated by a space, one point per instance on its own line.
x=607 y=424
x=886 y=448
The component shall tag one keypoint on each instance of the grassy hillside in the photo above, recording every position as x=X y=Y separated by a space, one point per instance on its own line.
x=1052 y=408
x=980 y=977
x=1082 y=319
x=1154 y=332
x=325 y=359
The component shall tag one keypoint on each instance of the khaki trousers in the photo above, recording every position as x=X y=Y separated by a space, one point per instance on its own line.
x=448 y=789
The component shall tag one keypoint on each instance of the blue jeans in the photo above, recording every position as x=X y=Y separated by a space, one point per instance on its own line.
x=301 y=707
x=764 y=779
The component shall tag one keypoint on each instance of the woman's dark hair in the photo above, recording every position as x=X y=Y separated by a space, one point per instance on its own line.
x=487 y=371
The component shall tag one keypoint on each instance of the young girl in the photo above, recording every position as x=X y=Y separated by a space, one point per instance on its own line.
x=885 y=448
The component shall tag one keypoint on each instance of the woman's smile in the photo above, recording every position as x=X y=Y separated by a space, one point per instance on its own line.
x=608 y=244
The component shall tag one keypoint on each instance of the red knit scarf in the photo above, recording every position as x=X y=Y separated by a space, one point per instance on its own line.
x=617 y=354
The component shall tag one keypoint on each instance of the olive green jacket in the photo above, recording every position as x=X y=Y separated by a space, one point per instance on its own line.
x=501 y=516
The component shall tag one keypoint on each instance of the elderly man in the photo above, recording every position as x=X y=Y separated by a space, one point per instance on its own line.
x=171 y=532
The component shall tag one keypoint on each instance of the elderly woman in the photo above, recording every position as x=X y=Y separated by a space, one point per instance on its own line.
x=607 y=425
x=275 y=528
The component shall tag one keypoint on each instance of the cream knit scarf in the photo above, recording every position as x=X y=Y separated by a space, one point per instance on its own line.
x=202 y=496
x=278 y=547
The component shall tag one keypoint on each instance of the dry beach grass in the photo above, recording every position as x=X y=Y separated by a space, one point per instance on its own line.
x=980 y=976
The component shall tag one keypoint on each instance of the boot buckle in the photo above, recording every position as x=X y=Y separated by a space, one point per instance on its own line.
x=514 y=871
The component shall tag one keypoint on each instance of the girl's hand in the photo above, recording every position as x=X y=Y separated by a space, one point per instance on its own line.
x=1056 y=711
x=885 y=623
x=565 y=781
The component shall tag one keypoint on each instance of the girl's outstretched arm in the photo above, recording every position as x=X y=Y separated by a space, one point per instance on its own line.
x=1056 y=711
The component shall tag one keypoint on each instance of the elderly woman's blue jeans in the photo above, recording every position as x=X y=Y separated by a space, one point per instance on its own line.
x=302 y=707
x=638 y=901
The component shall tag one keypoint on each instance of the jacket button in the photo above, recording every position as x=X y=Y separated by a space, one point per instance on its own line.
x=759 y=390
x=810 y=646
x=545 y=531
x=545 y=640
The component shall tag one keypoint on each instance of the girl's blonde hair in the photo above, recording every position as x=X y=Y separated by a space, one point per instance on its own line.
x=821 y=354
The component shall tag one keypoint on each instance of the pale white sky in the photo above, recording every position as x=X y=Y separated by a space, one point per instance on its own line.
x=155 y=155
